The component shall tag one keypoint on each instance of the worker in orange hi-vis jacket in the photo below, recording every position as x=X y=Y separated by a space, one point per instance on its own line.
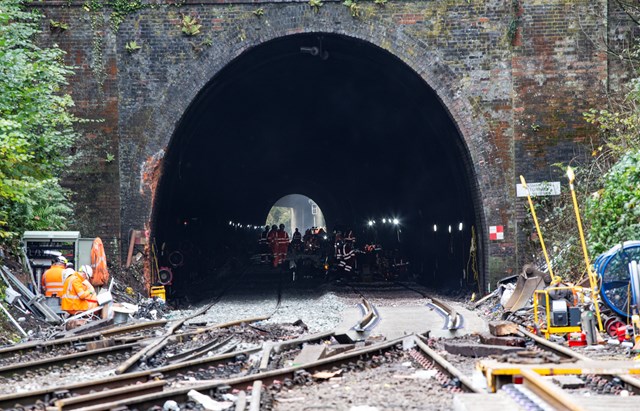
x=52 y=278
x=282 y=245
x=272 y=238
x=79 y=295
x=99 y=264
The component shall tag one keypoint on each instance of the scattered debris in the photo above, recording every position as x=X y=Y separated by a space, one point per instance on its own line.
x=207 y=402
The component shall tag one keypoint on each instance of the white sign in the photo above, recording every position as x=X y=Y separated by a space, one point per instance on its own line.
x=539 y=189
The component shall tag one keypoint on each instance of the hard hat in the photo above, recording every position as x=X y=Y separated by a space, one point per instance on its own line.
x=87 y=270
x=67 y=272
x=281 y=225
x=61 y=260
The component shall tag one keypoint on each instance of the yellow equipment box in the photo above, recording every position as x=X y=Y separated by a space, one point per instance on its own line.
x=159 y=292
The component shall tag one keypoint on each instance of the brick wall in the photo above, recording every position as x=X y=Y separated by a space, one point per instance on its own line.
x=515 y=75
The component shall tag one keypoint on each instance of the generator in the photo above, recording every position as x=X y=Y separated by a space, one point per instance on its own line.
x=559 y=316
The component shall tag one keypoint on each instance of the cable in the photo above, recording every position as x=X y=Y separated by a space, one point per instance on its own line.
x=473 y=259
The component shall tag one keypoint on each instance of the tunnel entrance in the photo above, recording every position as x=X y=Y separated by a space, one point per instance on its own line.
x=296 y=212
x=338 y=119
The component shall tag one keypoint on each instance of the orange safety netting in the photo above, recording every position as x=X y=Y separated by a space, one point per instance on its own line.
x=99 y=264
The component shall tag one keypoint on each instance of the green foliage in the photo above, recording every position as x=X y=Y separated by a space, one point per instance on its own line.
x=380 y=2
x=353 y=6
x=619 y=129
x=315 y=5
x=614 y=211
x=132 y=46
x=57 y=26
x=259 y=12
x=36 y=127
x=120 y=9
x=190 y=26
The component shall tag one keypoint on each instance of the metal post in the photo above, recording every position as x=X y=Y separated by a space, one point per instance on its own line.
x=535 y=220
x=592 y=276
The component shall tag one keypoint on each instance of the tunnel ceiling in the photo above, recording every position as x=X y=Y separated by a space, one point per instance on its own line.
x=353 y=128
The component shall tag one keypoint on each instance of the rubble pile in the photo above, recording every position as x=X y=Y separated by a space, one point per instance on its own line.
x=151 y=309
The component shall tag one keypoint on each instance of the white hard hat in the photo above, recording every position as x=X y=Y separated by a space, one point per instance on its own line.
x=67 y=272
x=87 y=270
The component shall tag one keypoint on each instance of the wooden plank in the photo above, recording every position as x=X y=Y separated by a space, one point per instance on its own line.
x=501 y=328
x=309 y=353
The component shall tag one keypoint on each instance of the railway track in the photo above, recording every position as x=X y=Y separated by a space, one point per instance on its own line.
x=115 y=335
x=356 y=359
x=452 y=319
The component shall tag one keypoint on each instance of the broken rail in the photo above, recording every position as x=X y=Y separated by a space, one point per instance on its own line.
x=115 y=400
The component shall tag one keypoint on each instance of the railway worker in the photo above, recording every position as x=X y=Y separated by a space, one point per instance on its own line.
x=263 y=245
x=349 y=252
x=79 y=295
x=52 y=281
x=339 y=250
x=296 y=241
x=272 y=239
x=282 y=238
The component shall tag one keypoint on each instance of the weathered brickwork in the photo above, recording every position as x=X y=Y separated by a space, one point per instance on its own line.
x=515 y=76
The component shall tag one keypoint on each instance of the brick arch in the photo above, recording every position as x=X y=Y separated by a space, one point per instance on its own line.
x=190 y=79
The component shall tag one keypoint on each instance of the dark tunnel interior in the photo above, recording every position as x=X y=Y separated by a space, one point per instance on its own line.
x=327 y=116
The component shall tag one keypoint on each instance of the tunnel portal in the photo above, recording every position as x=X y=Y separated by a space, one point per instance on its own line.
x=336 y=119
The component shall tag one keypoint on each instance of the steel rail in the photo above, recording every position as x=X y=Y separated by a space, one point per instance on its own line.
x=452 y=315
x=167 y=371
x=632 y=383
x=553 y=395
x=38 y=345
x=551 y=346
x=21 y=368
x=96 y=398
x=447 y=367
x=30 y=398
x=453 y=318
x=268 y=377
x=217 y=345
x=27 y=399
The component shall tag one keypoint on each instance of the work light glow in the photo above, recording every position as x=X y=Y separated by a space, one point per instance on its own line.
x=460 y=227
x=435 y=228
x=395 y=221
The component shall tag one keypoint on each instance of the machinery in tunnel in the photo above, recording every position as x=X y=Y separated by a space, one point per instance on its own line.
x=353 y=128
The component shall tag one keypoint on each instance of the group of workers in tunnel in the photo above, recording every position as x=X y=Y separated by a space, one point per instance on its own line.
x=275 y=246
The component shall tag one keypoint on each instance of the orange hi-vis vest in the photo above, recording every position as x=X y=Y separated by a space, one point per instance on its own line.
x=99 y=264
x=76 y=295
x=52 y=281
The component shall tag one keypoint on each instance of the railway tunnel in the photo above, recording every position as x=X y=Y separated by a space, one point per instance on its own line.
x=330 y=117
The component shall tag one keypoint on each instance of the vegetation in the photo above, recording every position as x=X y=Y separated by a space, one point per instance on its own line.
x=132 y=46
x=36 y=127
x=190 y=26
